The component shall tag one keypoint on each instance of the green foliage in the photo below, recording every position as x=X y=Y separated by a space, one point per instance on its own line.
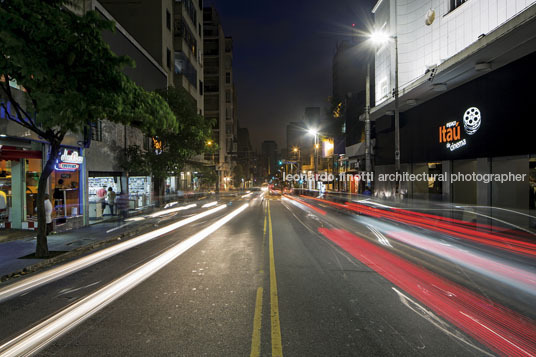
x=178 y=146
x=68 y=72
x=67 y=77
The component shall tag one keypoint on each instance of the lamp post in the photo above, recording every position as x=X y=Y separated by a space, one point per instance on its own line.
x=297 y=150
x=379 y=38
x=315 y=133
x=209 y=143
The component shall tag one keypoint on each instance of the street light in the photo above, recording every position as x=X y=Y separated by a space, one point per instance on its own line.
x=209 y=144
x=381 y=38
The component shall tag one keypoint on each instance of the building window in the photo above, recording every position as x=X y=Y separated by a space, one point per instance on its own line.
x=200 y=87
x=168 y=58
x=228 y=77
x=384 y=89
x=455 y=3
x=182 y=29
x=228 y=96
x=96 y=131
x=185 y=67
x=168 y=20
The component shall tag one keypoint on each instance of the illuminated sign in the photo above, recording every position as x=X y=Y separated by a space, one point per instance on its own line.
x=69 y=161
x=472 y=120
x=450 y=133
x=72 y=158
x=327 y=147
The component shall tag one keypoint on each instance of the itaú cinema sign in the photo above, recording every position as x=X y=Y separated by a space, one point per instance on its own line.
x=451 y=133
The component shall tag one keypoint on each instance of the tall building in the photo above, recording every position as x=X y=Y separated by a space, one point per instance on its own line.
x=350 y=64
x=269 y=157
x=156 y=34
x=172 y=33
x=188 y=48
x=245 y=155
x=465 y=76
x=219 y=91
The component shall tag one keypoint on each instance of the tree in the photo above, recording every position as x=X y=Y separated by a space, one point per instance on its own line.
x=59 y=76
x=239 y=174
x=175 y=147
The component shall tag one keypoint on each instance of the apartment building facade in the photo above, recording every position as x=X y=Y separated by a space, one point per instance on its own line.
x=220 y=97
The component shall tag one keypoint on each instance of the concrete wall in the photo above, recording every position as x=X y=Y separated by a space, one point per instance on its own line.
x=421 y=46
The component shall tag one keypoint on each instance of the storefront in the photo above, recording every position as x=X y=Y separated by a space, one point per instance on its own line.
x=66 y=191
x=139 y=190
x=484 y=127
x=98 y=185
x=20 y=169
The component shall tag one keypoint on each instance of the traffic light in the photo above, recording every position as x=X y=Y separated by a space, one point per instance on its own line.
x=280 y=162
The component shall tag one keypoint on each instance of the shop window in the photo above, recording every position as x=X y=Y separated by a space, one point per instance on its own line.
x=5 y=192
x=435 y=185
x=32 y=173
x=98 y=196
x=139 y=189
x=65 y=189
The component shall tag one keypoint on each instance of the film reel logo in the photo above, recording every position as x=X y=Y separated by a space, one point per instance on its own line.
x=472 y=120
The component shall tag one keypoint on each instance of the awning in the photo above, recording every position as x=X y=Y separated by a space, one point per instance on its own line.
x=12 y=153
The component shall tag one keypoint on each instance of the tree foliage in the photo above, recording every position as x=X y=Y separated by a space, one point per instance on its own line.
x=63 y=76
x=176 y=146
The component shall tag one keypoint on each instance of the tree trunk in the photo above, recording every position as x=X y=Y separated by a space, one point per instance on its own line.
x=41 y=249
x=159 y=187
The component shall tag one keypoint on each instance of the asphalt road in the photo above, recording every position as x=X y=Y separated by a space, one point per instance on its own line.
x=281 y=277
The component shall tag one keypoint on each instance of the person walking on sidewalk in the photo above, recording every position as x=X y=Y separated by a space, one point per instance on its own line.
x=110 y=200
x=48 y=214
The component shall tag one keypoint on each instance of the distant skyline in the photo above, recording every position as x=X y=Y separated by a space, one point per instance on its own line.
x=282 y=58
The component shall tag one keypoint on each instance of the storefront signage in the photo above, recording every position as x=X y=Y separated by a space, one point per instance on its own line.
x=69 y=161
x=450 y=133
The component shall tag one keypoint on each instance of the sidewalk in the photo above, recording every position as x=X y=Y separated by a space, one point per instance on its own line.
x=17 y=244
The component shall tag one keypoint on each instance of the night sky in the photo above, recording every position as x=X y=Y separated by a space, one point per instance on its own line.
x=282 y=57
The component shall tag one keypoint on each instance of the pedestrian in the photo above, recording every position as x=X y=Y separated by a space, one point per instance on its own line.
x=110 y=200
x=367 y=191
x=122 y=202
x=101 y=197
x=48 y=214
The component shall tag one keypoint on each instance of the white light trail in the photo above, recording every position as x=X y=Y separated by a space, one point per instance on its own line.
x=172 y=210
x=42 y=334
x=43 y=278
x=210 y=204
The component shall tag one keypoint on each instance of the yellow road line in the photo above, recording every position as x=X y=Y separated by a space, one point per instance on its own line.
x=277 y=347
x=257 y=323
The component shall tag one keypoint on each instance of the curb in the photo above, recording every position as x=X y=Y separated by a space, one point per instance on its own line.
x=68 y=255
